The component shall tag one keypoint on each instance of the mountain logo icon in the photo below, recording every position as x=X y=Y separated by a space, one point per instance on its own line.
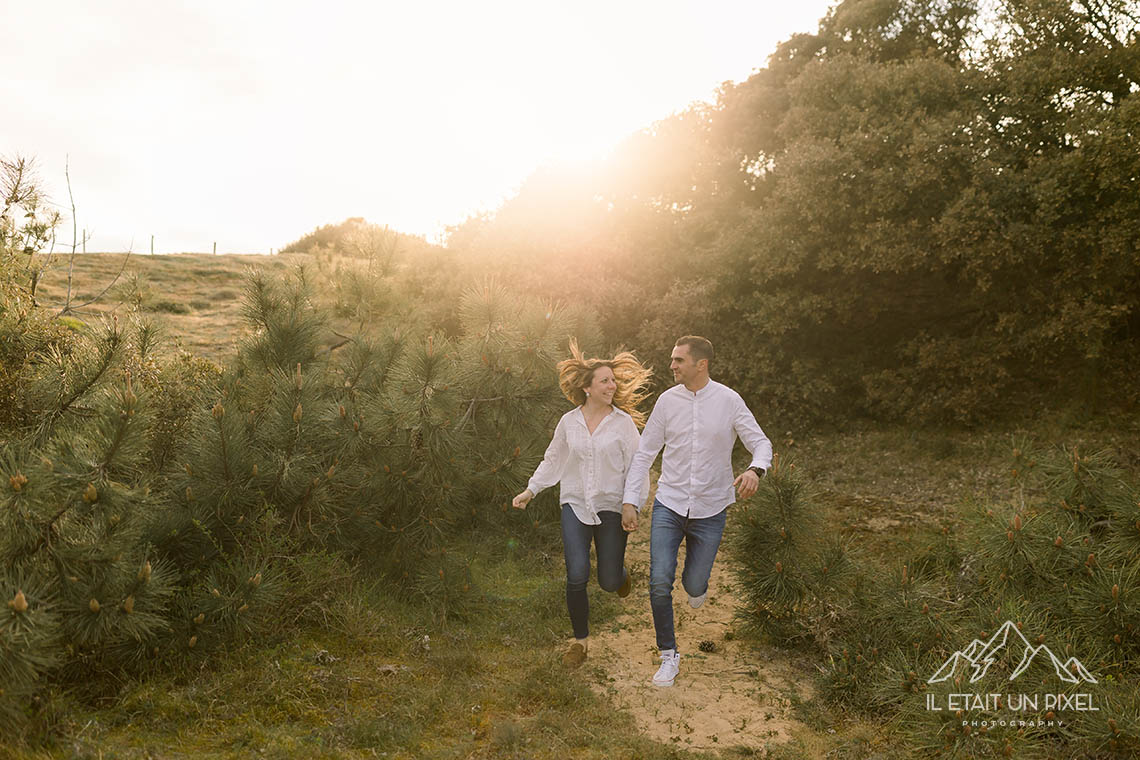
x=977 y=658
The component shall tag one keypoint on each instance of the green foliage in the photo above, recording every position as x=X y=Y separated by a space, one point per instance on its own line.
x=792 y=560
x=158 y=508
x=170 y=307
x=329 y=236
x=27 y=220
x=924 y=211
x=1060 y=563
x=381 y=250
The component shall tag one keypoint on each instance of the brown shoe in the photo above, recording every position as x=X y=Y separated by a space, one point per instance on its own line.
x=626 y=585
x=574 y=656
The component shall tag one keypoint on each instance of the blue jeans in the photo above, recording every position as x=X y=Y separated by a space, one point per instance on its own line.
x=609 y=540
x=702 y=539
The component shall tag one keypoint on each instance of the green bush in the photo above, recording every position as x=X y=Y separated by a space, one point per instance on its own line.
x=156 y=507
x=170 y=307
x=1064 y=565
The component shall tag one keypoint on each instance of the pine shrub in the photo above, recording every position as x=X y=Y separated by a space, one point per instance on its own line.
x=154 y=507
x=1061 y=564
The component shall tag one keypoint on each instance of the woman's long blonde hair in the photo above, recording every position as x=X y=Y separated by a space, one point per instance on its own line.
x=577 y=373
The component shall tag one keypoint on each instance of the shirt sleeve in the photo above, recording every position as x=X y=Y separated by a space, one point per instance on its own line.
x=553 y=464
x=630 y=443
x=652 y=440
x=748 y=430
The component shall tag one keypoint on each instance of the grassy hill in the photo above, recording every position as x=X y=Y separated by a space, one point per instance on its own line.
x=197 y=295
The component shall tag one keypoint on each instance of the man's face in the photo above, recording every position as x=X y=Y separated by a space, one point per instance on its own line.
x=683 y=364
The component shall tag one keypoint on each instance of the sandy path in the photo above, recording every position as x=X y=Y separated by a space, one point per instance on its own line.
x=736 y=695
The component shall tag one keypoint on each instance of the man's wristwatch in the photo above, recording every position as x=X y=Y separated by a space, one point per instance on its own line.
x=758 y=470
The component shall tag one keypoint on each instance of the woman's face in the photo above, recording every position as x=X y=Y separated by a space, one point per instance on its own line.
x=603 y=385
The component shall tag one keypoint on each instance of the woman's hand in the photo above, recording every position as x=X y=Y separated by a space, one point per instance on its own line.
x=522 y=499
x=629 y=517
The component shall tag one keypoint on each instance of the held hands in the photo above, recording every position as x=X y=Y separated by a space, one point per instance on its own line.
x=522 y=499
x=629 y=517
x=746 y=484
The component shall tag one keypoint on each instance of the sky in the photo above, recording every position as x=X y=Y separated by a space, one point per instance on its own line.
x=250 y=124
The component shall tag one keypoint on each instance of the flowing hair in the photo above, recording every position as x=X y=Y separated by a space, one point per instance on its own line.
x=576 y=373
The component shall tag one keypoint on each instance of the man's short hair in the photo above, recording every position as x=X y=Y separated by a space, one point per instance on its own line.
x=699 y=348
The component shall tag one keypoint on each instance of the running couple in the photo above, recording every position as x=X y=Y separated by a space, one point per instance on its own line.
x=602 y=466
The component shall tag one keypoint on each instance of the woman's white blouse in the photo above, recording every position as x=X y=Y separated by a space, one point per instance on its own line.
x=590 y=468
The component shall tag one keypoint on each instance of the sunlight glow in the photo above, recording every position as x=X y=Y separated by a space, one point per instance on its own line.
x=251 y=124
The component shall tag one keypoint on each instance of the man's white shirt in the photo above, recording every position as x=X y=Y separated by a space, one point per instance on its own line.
x=591 y=469
x=698 y=431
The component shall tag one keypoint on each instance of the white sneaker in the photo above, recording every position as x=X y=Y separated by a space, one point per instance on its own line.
x=670 y=664
x=697 y=601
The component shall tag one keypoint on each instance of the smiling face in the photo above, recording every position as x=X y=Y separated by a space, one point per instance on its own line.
x=603 y=386
x=687 y=369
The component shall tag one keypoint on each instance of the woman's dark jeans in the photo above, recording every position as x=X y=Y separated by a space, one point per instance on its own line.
x=609 y=541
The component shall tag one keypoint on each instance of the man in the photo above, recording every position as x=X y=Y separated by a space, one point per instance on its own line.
x=697 y=421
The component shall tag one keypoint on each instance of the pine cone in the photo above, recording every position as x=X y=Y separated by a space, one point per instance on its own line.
x=707 y=646
x=19 y=602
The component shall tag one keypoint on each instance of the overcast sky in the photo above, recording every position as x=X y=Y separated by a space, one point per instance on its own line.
x=251 y=123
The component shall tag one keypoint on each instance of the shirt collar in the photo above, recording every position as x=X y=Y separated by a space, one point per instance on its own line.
x=702 y=392
x=581 y=417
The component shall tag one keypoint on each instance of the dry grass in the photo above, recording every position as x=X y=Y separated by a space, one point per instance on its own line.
x=197 y=296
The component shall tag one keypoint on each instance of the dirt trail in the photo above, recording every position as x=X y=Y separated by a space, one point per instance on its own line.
x=733 y=696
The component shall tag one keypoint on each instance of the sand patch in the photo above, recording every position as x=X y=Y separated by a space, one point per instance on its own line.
x=736 y=695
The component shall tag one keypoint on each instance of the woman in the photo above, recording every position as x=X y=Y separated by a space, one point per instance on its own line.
x=589 y=457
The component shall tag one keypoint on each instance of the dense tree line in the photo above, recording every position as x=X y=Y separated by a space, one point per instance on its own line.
x=927 y=210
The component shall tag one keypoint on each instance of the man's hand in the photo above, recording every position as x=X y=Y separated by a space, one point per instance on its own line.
x=522 y=499
x=746 y=484
x=629 y=517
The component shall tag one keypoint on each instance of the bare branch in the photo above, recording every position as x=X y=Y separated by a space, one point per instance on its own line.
x=71 y=259
x=75 y=241
x=68 y=309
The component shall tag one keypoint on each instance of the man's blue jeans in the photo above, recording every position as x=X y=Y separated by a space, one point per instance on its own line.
x=702 y=539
